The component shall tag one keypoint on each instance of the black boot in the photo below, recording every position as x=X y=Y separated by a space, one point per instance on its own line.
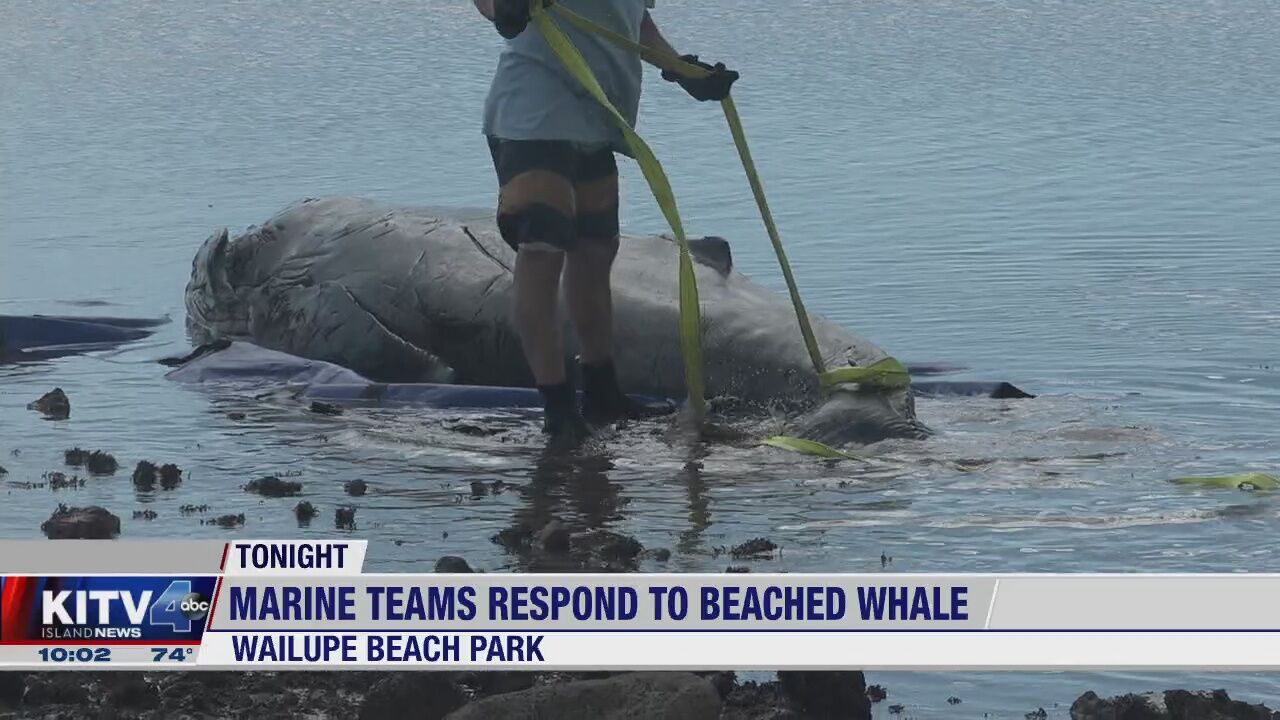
x=561 y=418
x=603 y=402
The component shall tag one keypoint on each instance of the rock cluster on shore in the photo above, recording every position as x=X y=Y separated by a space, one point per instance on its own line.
x=515 y=695
x=1169 y=705
x=425 y=696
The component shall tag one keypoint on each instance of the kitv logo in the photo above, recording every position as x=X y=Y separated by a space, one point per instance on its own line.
x=120 y=614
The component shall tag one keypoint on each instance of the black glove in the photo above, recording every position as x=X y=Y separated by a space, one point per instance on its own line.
x=511 y=17
x=712 y=87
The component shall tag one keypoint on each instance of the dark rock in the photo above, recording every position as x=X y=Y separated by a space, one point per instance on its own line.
x=272 y=486
x=630 y=696
x=514 y=539
x=305 y=511
x=344 y=518
x=751 y=700
x=1091 y=707
x=170 y=476
x=147 y=514
x=59 y=481
x=499 y=682
x=324 y=408
x=553 y=537
x=834 y=694
x=479 y=489
x=658 y=554
x=611 y=546
x=144 y=475
x=188 y=692
x=876 y=693
x=452 y=564
x=723 y=682
x=132 y=691
x=3 y=471
x=356 y=488
x=896 y=709
x=193 y=509
x=226 y=521
x=54 y=404
x=953 y=700
x=235 y=416
x=91 y=523
x=55 y=689
x=1169 y=705
x=1037 y=714
x=737 y=569
x=756 y=548
x=1185 y=705
x=421 y=695
x=101 y=463
x=75 y=457
x=11 y=689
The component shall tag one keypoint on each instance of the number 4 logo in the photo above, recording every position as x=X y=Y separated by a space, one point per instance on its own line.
x=168 y=610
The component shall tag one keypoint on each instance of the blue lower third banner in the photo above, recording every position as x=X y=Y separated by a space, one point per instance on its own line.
x=643 y=621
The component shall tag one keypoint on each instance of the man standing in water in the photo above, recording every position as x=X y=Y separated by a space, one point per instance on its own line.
x=553 y=149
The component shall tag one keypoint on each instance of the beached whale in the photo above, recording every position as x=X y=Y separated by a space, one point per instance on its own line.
x=418 y=295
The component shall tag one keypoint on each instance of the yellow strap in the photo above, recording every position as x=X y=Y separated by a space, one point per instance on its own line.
x=886 y=373
x=667 y=61
x=810 y=447
x=1242 y=481
x=690 y=314
x=753 y=177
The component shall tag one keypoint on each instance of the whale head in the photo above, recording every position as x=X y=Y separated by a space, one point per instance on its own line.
x=210 y=297
x=856 y=415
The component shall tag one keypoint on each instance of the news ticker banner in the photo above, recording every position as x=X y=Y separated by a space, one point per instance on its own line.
x=294 y=605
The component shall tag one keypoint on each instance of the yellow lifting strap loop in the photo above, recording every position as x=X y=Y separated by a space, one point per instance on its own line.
x=886 y=373
x=690 y=312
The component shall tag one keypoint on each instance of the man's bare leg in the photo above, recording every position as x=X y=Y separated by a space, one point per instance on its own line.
x=586 y=275
x=536 y=311
x=535 y=213
x=590 y=300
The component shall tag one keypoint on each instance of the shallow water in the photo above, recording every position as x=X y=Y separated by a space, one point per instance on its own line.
x=1080 y=198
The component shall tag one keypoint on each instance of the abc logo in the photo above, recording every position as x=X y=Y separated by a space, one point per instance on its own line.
x=194 y=606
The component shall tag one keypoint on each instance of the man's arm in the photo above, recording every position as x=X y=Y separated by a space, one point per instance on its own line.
x=651 y=37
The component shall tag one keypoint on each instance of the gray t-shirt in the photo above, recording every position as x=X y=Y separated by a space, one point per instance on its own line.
x=532 y=96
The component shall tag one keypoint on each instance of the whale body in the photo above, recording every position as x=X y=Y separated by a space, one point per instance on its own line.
x=421 y=295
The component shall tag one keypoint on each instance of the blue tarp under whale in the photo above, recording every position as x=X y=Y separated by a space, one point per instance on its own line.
x=247 y=364
x=37 y=337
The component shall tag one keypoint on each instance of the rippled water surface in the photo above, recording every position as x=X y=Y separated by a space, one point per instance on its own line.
x=1082 y=198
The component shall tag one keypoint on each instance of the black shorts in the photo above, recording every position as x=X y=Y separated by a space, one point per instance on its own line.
x=512 y=158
